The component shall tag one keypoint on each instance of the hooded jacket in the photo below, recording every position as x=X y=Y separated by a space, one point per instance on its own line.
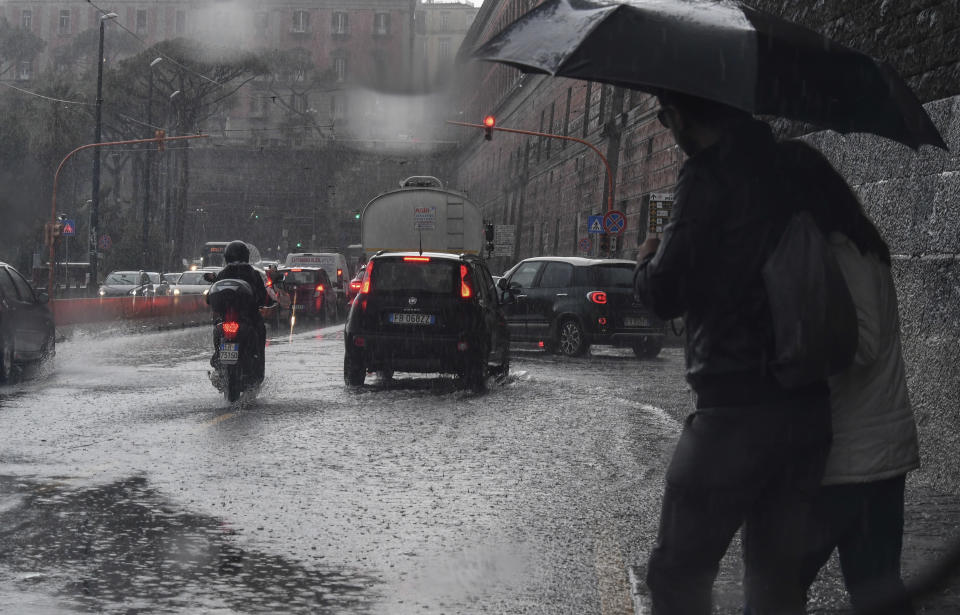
x=246 y=272
x=731 y=205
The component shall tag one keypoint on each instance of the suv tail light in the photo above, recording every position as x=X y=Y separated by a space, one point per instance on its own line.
x=366 y=279
x=466 y=290
x=318 y=291
x=597 y=296
x=339 y=274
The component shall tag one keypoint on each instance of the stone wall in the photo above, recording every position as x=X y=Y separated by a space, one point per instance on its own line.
x=914 y=198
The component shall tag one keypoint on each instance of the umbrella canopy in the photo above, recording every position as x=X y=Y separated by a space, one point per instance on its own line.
x=720 y=50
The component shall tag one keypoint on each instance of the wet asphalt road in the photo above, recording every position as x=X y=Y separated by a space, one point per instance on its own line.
x=127 y=485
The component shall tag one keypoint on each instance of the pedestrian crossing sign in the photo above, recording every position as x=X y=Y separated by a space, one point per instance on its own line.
x=595 y=224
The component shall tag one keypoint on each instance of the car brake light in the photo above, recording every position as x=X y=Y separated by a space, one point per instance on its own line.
x=319 y=288
x=597 y=296
x=465 y=291
x=416 y=259
x=298 y=269
x=339 y=274
x=355 y=285
x=230 y=329
x=366 y=279
x=269 y=283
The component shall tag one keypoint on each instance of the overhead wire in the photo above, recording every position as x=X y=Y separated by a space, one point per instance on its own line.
x=50 y=98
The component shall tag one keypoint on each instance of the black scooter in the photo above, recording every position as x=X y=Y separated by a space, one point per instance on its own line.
x=236 y=347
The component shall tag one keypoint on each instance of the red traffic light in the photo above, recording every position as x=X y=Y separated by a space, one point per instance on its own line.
x=488 y=123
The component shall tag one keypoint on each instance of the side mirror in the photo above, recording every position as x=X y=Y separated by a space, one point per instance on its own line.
x=502 y=284
x=210 y=277
x=43 y=298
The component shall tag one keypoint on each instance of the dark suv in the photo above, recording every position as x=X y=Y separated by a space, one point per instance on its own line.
x=310 y=292
x=428 y=312
x=569 y=303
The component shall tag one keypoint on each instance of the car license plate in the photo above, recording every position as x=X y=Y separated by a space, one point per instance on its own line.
x=635 y=321
x=229 y=353
x=298 y=308
x=402 y=318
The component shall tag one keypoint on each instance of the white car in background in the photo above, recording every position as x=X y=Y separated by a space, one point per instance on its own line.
x=190 y=283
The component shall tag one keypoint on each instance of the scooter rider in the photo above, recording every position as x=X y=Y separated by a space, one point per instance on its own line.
x=238 y=267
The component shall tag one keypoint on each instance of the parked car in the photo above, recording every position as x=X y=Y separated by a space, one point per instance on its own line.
x=26 y=324
x=570 y=303
x=426 y=312
x=310 y=291
x=190 y=283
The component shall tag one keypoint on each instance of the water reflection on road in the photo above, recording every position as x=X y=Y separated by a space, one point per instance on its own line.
x=122 y=548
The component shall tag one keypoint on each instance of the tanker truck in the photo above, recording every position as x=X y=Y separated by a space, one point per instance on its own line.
x=421 y=215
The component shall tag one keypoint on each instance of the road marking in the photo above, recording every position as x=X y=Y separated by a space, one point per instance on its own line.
x=219 y=419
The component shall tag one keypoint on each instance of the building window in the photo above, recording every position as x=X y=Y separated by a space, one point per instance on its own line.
x=181 y=27
x=444 y=22
x=444 y=50
x=25 y=71
x=298 y=102
x=340 y=23
x=340 y=68
x=260 y=23
x=301 y=21
x=26 y=19
x=64 y=21
x=141 y=21
x=421 y=19
x=381 y=24
x=337 y=106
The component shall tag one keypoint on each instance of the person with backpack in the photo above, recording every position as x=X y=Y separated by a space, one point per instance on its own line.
x=859 y=509
x=752 y=452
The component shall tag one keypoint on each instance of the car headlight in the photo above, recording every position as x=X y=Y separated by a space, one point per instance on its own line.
x=102 y=292
x=176 y=291
x=206 y=291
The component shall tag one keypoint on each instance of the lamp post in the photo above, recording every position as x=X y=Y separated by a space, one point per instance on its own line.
x=149 y=171
x=95 y=205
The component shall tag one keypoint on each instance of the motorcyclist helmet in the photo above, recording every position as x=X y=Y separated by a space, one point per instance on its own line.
x=236 y=252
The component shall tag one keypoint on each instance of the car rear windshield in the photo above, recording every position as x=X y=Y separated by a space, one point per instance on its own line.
x=403 y=276
x=615 y=276
x=192 y=277
x=300 y=277
x=123 y=277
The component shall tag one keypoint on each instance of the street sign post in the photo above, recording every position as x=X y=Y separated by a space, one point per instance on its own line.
x=504 y=239
x=595 y=224
x=614 y=222
x=661 y=203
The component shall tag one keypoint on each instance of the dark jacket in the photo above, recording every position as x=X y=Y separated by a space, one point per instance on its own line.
x=731 y=205
x=246 y=272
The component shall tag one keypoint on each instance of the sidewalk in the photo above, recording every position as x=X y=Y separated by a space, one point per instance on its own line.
x=931 y=536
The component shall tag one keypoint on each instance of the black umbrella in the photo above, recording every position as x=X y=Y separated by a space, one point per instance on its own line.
x=719 y=50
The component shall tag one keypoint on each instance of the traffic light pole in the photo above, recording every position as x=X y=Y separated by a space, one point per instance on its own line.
x=160 y=139
x=532 y=133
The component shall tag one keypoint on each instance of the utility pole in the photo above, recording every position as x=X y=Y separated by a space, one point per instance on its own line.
x=95 y=205
x=149 y=172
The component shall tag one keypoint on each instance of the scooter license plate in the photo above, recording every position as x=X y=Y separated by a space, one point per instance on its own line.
x=229 y=353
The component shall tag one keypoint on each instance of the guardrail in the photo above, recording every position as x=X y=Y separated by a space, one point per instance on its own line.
x=179 y=309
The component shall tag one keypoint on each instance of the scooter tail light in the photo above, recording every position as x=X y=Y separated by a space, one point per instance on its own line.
x=466 y=291
x=230 y=329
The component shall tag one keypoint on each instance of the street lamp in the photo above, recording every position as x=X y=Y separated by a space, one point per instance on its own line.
x=95 y=205
x=146 y=187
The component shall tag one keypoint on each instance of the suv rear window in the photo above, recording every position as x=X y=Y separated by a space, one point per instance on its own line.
x=400 y=276
x=617 y=276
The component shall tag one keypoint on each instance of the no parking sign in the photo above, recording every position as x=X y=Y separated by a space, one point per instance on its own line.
x=614 y=222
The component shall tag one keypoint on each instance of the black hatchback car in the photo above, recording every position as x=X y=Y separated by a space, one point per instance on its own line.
x=26 y=324
x=429 y=312
x=568 y=303
x=310 y=292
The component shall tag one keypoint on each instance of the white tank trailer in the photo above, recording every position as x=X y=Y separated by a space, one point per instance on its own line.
x=421 y=215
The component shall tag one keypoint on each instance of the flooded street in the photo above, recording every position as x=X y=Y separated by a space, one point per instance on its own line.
x=130 y=486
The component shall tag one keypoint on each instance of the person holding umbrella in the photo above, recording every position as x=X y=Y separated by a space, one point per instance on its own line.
x=753 y=451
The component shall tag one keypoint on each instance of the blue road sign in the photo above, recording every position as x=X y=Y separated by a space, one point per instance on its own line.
x=69 y=228
x=595 y=224
x=614 y=222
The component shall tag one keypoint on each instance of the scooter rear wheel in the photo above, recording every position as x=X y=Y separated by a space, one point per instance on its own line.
x=234 y=383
